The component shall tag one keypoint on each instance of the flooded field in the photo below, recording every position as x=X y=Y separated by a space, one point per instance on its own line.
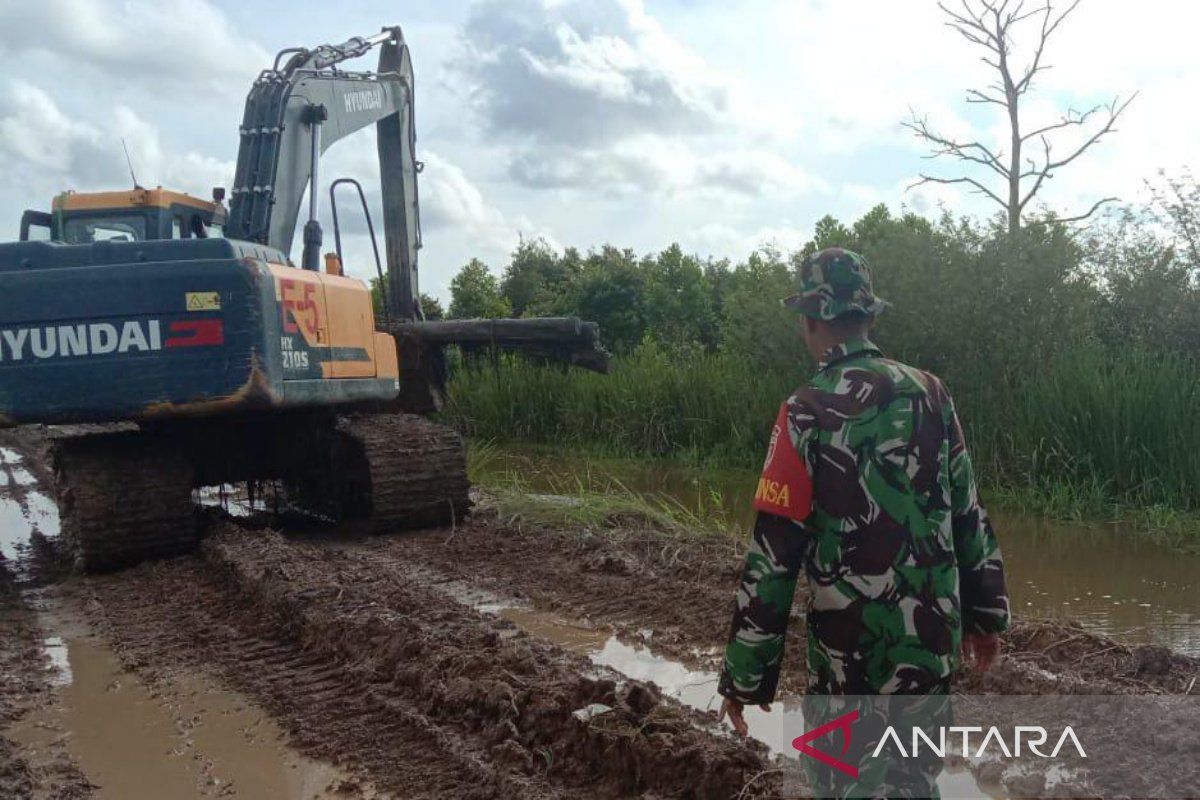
x=1112 y=582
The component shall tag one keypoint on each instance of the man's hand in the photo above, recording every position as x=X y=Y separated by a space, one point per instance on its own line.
x=734 y=710
x=981 y=649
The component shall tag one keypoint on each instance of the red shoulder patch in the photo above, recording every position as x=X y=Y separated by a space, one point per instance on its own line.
x=785 y=487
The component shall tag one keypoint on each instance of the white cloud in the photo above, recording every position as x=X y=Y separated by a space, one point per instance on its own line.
x=35 y=134
x=599 y=97
x=44 y=148
x=930 y=199
x=657 y=165
x=578 y=71
x=451 y=203
x=600 y=65
x=721 y=240
x=186 y=46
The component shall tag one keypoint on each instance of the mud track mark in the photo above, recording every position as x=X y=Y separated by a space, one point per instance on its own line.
x=25 y=689
x=368 y=668
x=678 y=588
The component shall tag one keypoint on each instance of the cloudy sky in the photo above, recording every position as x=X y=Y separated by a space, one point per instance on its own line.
x=718 y=124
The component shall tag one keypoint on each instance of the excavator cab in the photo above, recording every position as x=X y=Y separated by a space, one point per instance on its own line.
x=136 y=215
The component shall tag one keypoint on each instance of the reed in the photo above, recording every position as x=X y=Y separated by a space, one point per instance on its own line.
x=1088 y=429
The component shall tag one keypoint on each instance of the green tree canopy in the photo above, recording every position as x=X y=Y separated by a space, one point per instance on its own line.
x=432 y=307
x=679 y=301
x=537 y=277
x=475 y=293
x=611 y=291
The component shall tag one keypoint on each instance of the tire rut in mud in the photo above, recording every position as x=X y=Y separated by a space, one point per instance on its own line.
x=24 y=688
x=369 y=668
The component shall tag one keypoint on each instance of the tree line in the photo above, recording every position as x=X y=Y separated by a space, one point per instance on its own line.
x=1071 y=352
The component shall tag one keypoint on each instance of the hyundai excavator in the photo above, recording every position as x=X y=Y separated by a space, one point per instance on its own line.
x=168 y=343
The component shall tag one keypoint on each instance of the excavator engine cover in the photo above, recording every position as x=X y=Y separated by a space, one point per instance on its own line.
x=157 y=329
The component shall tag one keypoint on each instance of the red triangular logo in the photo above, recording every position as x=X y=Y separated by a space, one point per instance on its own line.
x=842 y=723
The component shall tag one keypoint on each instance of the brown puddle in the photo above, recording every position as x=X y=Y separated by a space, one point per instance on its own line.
x=191 y=739
x=1111 y=580
x=696 y=689
x=187 y=738
x=24 y=509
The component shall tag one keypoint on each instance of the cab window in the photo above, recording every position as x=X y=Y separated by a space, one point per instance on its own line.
x=177 y=229
x=84 y=230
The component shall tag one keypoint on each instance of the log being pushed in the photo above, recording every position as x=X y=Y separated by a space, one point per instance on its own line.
x=564 y=339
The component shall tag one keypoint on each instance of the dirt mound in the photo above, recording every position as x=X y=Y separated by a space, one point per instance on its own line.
x=1044 y=657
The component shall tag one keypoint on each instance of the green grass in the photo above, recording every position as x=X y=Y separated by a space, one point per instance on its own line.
x=587 y=492
x=1094 y=434
x=593 y=499
x=709 y=409
x=1172 y=527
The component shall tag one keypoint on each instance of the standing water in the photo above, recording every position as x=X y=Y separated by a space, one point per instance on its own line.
x=1108 y=579
x=694 y=688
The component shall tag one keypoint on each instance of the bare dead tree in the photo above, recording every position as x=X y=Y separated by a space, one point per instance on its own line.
x=990 y=25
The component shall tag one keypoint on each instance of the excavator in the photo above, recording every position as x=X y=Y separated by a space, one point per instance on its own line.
x=167 y=343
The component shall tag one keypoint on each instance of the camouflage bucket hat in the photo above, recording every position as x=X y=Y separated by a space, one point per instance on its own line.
x=834 y=282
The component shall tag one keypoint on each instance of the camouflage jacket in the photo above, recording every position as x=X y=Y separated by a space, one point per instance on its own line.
x=881 y=511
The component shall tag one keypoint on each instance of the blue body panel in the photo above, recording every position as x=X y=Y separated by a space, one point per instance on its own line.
x=102 y=332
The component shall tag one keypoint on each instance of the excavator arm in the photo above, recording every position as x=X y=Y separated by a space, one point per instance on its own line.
x=298 y=109
x=293 y=114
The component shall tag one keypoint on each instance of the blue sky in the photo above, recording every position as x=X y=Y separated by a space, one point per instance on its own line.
x=720 y=125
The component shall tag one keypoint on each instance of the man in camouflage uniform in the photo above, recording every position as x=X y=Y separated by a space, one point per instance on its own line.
x=868 y=486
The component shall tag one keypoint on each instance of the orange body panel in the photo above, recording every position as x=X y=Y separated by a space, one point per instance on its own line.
x=351 y=325
x=335 y=319
x=301 y=296
x=387 y=362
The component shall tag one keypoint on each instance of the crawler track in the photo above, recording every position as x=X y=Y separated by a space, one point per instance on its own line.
x=123 y=496
x=406 y=471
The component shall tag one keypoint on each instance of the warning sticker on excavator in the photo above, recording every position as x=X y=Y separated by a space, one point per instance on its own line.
x=203 y=301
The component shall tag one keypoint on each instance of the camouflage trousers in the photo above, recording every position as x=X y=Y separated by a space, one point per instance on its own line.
x=856 y=727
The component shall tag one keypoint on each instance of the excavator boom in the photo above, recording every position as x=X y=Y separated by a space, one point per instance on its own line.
x=296 y=112
x=302 y=106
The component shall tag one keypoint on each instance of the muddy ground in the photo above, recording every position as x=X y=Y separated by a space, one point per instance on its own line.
x=630 y=577
x=377 y=659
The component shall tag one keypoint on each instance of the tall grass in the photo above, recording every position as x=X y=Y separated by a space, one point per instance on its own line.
x=706 y=408
x=1090 y=427
x=1124 y=424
